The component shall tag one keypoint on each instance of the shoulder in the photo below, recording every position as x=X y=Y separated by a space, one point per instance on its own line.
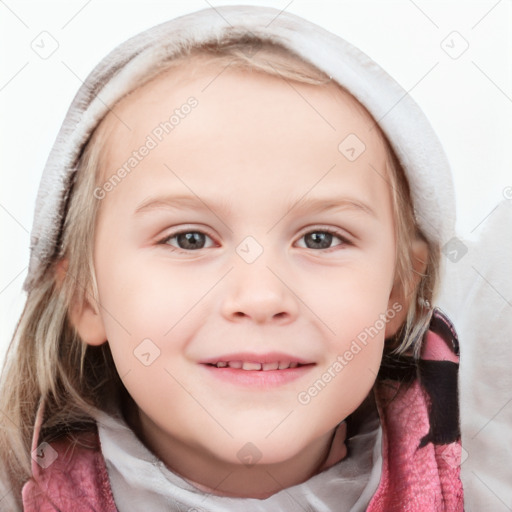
x=69 y=475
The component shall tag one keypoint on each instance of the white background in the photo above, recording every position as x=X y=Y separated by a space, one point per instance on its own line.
x=468 y=100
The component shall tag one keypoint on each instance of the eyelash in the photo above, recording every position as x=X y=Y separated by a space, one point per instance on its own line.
x=344 y=240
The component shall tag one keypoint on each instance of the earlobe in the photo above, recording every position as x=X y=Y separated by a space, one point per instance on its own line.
x=87 y=320
x=400 y=298
x=85 y=316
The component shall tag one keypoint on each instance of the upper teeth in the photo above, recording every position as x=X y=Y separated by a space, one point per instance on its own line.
x=248 y=365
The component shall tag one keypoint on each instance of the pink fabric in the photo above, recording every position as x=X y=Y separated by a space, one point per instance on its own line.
x=413 y=479
x=71 y=475
x=77 y=481
x=436 y=350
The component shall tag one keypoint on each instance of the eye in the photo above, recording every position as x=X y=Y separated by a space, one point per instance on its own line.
x=187 y=240
x=323 y=238
x=191 y=240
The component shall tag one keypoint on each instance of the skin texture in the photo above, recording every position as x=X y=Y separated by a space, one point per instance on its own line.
x=250 y=150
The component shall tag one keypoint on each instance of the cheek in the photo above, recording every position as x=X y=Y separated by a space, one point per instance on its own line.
x=143 y=299
x=354 y=342
x=352 y=297
x=352 y=301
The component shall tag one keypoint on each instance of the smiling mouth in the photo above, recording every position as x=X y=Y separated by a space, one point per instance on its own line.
x=252 y=366
x=257 y=372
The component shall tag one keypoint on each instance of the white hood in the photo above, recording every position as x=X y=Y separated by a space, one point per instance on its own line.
x=405 y=125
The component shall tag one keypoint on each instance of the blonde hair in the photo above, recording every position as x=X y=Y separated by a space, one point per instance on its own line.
x=47 y=362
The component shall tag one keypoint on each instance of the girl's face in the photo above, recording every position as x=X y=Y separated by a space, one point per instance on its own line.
x=252 y=225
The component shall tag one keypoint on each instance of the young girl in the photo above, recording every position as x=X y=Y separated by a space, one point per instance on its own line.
x=235 y=254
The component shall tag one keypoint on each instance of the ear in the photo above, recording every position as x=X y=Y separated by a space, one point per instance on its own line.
x=85 y=317
x=419 y=259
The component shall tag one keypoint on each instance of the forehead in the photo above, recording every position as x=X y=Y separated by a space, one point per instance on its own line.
x=247 y=127
x=212 y=81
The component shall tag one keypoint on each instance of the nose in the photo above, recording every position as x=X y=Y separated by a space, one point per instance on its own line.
x=259 y=293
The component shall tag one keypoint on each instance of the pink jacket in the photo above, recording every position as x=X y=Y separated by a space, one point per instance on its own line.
x=421 y=449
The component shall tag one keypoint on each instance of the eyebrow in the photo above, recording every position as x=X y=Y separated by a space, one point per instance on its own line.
x=311 y=204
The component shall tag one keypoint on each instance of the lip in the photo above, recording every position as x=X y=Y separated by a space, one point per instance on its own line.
x=252 y=357
x=257 y=379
